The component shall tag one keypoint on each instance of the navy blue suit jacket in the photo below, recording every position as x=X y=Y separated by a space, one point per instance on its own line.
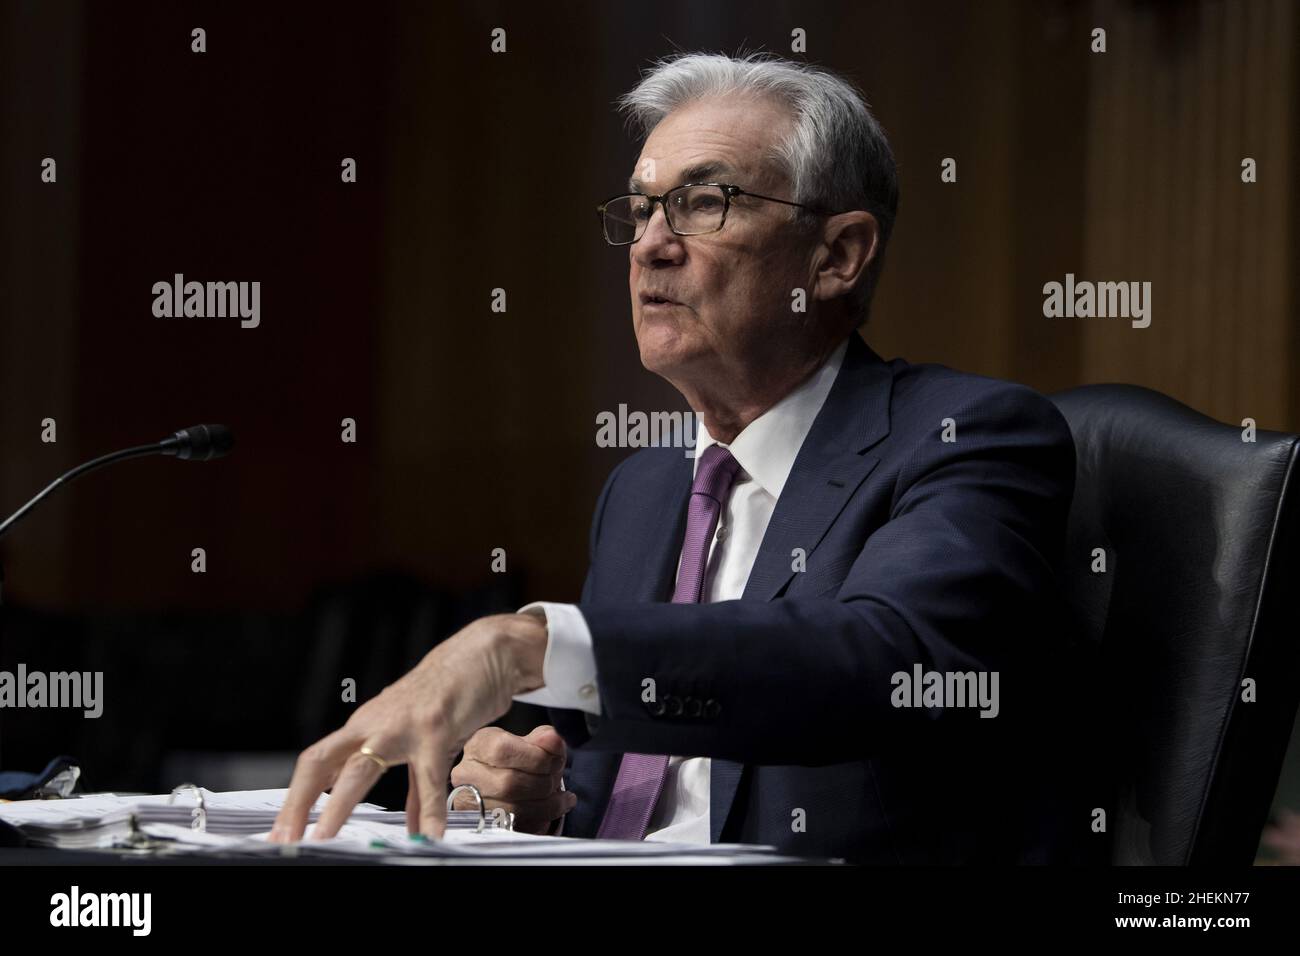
x=918 y=550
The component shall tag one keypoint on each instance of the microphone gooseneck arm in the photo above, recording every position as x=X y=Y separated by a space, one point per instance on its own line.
x=197 y=443
x=140 y=451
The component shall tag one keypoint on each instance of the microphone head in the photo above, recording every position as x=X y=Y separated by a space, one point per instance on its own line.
x=200 y=442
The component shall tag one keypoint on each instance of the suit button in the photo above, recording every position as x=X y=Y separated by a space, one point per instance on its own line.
x=712 y=708
x=692 y=706
x=656 y=707
x=673 y=704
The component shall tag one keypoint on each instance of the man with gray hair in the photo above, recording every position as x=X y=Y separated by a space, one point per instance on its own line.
x=734 y=669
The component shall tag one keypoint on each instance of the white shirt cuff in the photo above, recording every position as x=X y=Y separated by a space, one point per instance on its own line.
x=569 y=668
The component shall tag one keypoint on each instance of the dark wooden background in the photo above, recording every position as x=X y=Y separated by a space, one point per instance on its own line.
x=477 y=429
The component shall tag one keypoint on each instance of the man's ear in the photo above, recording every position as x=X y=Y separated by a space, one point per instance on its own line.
x=849 y=243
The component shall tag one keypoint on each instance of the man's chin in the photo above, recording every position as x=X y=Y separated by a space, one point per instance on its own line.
x=668 y=349
x=664 y=359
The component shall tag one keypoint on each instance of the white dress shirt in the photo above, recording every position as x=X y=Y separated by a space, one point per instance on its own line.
x=765 y=450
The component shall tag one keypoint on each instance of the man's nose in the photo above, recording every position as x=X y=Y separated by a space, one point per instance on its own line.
x=658 y=242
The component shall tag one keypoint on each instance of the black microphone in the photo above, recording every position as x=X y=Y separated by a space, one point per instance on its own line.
x=200 y=443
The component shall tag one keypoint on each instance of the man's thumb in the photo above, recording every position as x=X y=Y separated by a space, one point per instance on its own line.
x=548 y=738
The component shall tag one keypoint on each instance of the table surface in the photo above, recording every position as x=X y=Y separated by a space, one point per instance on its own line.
x=46 y=856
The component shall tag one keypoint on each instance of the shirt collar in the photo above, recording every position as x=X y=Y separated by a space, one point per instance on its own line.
x=766 y=448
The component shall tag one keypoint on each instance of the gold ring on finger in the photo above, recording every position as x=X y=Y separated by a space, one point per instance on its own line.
x=367 y=752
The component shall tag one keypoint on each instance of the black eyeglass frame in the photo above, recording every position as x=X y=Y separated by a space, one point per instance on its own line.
x=729 y=191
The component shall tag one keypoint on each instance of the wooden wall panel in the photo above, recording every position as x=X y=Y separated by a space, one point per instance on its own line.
x=1183 y=95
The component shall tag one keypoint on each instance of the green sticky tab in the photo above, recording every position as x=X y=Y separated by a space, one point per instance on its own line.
x=419 y=838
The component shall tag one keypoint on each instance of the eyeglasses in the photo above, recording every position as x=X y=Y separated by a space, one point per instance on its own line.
x=691 y=209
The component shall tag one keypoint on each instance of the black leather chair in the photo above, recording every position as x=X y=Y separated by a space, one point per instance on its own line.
x=1200 y=532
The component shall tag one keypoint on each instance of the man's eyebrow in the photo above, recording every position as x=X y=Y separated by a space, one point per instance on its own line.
x=700 y=172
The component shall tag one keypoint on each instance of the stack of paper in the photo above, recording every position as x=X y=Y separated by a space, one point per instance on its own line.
x=239 y=823
x=107 y=820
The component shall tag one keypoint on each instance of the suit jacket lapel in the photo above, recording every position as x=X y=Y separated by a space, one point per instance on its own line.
x=663 y=490
x=832 y=463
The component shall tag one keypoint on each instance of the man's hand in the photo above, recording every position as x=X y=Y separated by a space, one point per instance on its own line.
x=521 y=774
x=422 y=720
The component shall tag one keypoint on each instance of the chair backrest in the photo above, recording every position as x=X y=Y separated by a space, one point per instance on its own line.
x=1196 y=625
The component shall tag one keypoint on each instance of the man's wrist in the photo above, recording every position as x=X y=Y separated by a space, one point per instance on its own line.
x=527 y=636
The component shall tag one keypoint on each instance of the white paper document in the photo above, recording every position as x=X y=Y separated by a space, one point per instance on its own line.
x=239 y=823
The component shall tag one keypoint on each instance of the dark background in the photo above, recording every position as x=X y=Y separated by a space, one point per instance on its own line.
x=476 y=430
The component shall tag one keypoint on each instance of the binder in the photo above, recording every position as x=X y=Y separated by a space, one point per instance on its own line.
x=477 y=820
x=93 y=821
x=205 y=825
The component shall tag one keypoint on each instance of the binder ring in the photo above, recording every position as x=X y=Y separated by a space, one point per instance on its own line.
x=200 y=813
x=478 y=797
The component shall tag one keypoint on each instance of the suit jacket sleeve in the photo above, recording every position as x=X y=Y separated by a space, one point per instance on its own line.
x=959 y=578
x=577 y=727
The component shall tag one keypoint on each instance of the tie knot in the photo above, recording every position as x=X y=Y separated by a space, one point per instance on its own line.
x=715 y=472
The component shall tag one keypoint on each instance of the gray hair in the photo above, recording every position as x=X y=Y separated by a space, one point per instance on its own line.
x=837 y=156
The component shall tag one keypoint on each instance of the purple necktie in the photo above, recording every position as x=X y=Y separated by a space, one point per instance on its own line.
x=641 y=776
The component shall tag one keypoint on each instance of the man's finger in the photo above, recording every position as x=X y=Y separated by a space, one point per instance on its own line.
x=359 y=774
x=549 y=739
x=429 y=774
x=497 y=782
x=412 y=805
x=315 y=770
x=494 y=747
